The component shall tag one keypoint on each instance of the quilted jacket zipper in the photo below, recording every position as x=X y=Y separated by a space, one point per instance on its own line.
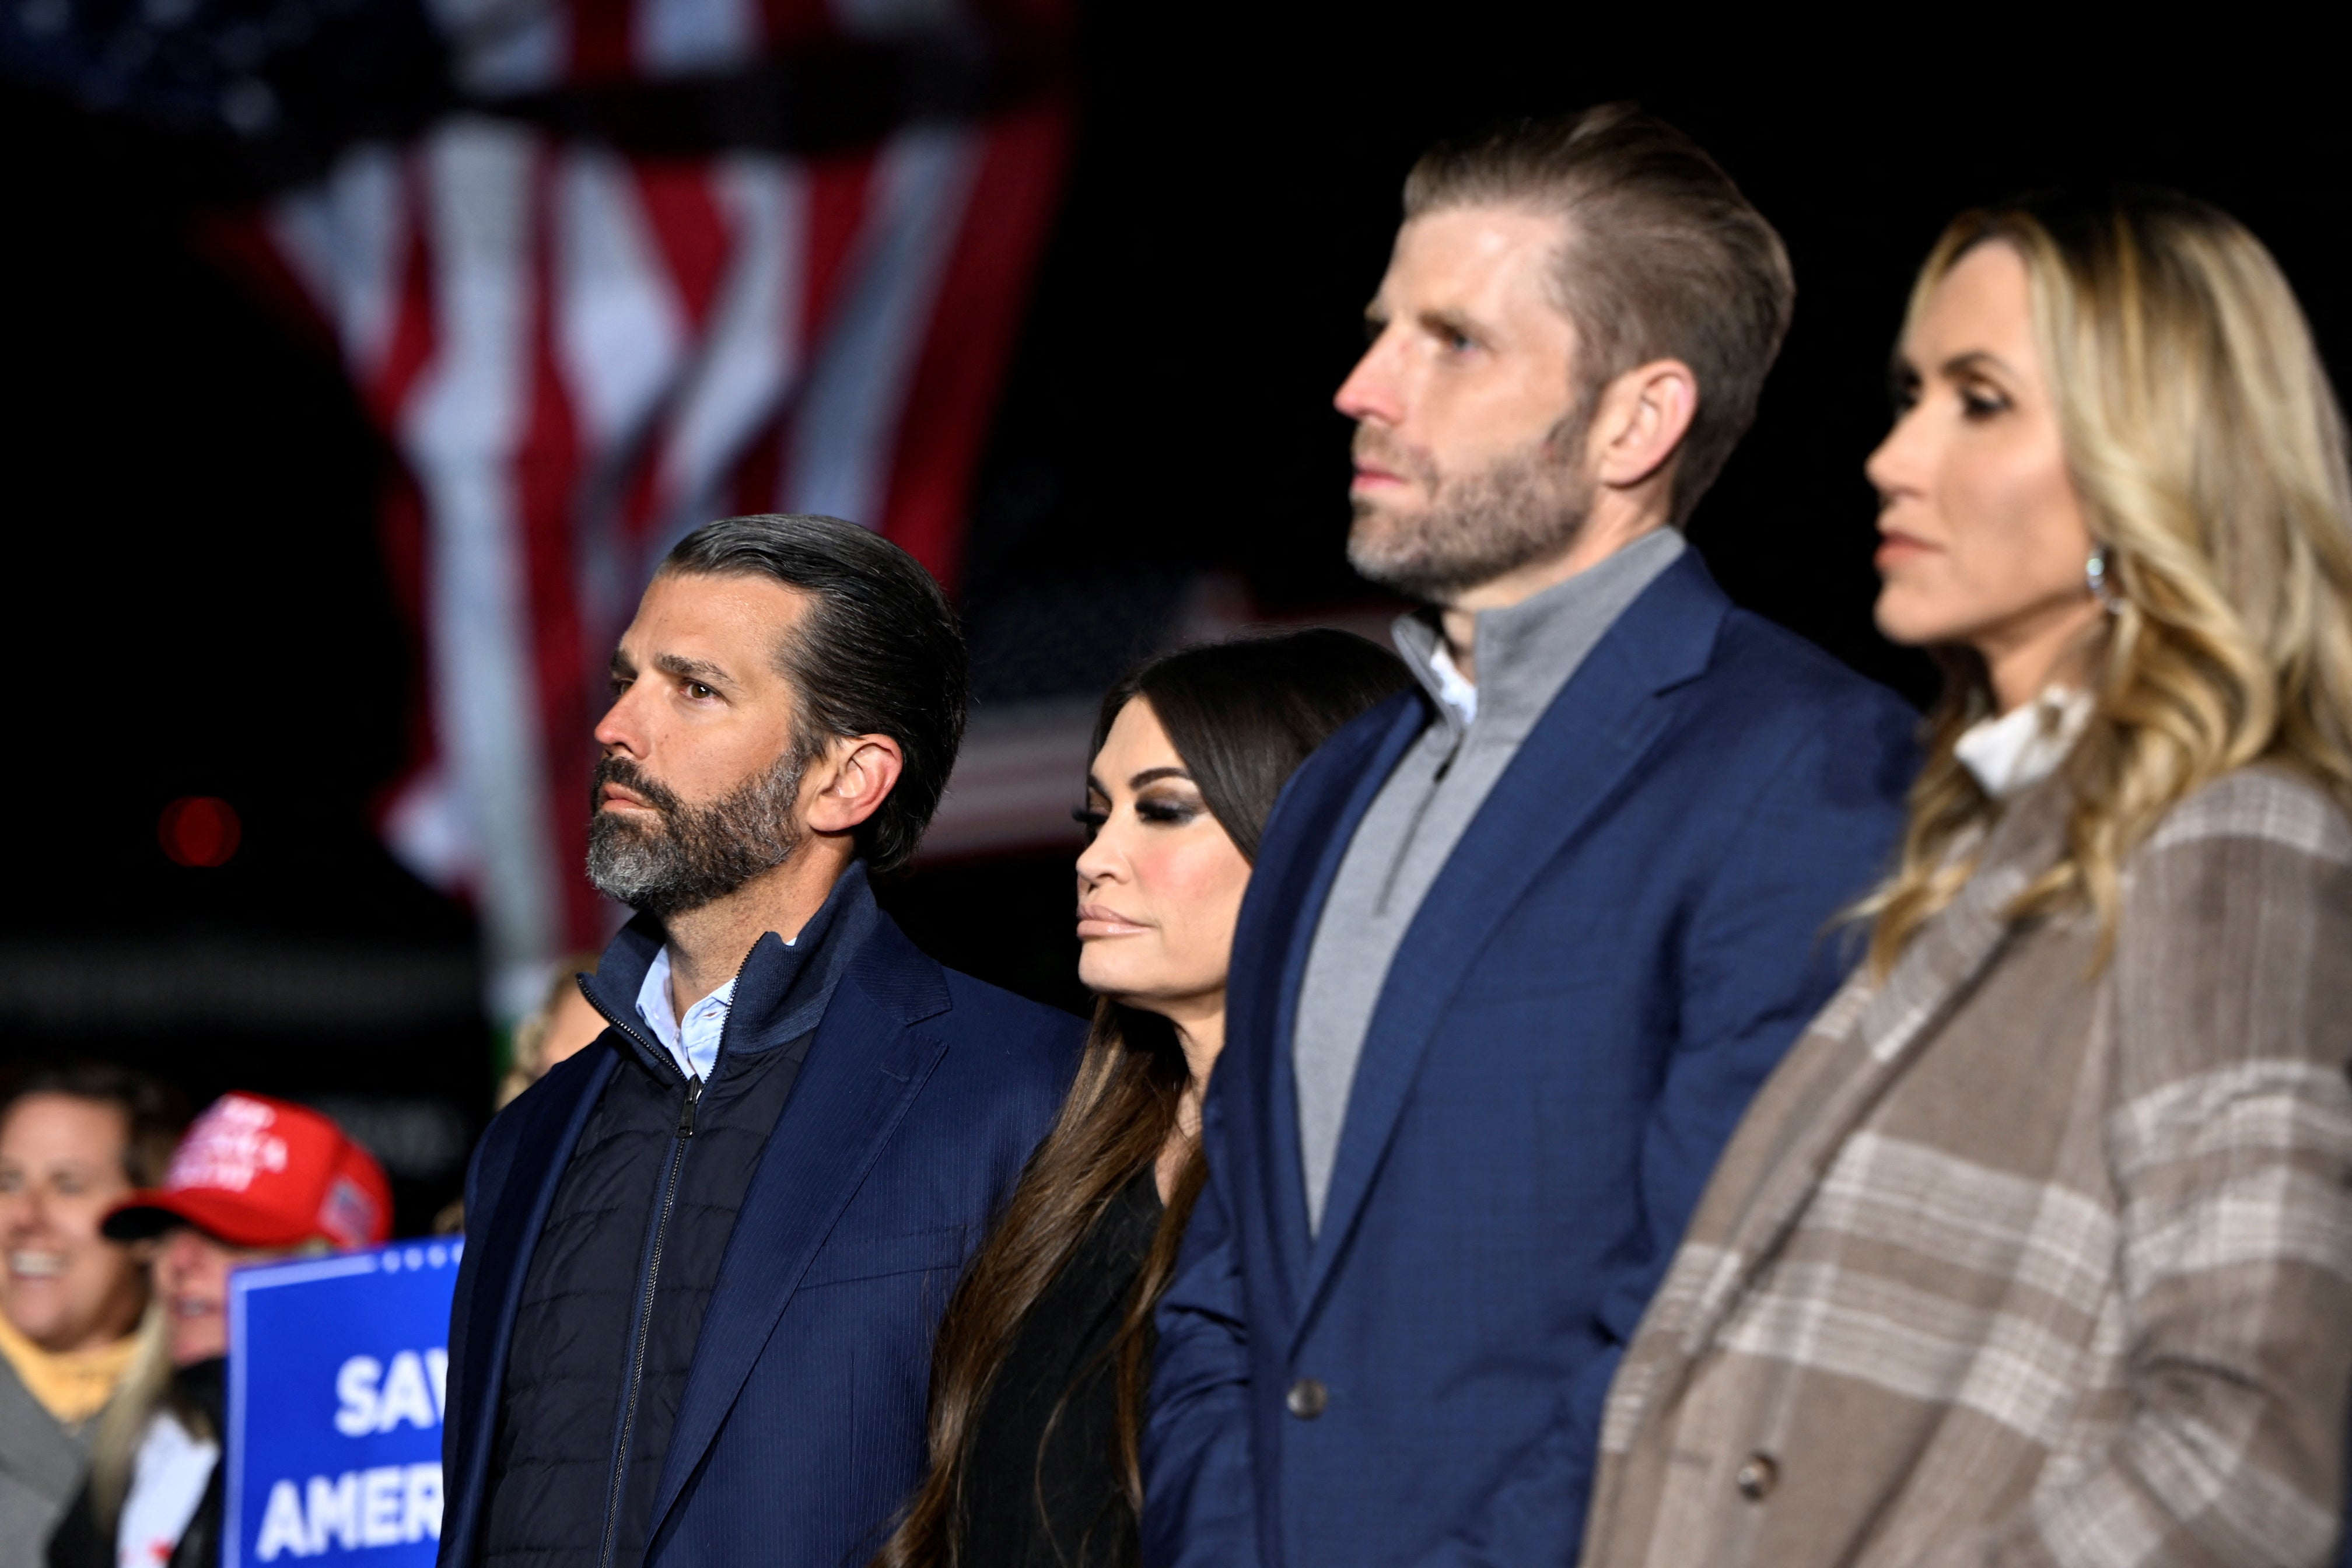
x=646 y=1318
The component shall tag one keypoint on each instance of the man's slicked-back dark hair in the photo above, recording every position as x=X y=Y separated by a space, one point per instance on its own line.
x=1662 y=258
x=878 y=652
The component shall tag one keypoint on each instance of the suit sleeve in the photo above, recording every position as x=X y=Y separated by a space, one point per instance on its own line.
x=1200 y=1492
x=1756 y=959
x=476 y=1217
x=2229 y=1130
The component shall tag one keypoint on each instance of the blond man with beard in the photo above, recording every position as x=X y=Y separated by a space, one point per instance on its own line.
x=1520 y=944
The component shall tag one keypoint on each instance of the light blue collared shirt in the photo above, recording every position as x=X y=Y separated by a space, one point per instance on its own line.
x=692 y=1041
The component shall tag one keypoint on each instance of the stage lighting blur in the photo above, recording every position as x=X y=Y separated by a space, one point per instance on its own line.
x=199 y=830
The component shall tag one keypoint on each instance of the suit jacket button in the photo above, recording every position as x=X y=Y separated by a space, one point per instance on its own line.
x=1757 y=1476
x=1307 y=1398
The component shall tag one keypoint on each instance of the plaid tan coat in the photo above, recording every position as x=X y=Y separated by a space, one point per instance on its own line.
x=2007 y=1265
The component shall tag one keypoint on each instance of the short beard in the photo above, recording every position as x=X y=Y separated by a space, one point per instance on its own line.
x=696 y=854
x=1527 y=507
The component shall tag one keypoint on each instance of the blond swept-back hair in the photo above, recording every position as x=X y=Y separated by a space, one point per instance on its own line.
x=2208 y=450
x=1661 y=256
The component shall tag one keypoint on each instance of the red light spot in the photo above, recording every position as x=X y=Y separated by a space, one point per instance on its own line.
x=199 y=830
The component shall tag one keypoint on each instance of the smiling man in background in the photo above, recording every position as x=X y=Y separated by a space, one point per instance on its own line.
x=1521 y=945
x=706 y=1256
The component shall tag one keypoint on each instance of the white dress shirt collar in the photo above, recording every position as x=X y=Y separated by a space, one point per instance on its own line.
x=1454 y=689
x=692 y=1041
x=2011 y=753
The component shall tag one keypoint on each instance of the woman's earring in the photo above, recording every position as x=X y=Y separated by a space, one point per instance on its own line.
x=2099 y=572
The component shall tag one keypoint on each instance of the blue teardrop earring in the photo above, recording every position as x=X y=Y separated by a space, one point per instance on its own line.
x=2099 y=573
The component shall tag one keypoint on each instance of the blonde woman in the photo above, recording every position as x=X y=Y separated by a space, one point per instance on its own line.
x=2038 y=1247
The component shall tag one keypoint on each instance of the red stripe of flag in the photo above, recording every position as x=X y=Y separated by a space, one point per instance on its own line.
x=692 y=238
x=410 y=343
x=689 y=223
x=789 y=22
x=548 y=470
x=602 y=44
x=838 y=189
x=974 y=323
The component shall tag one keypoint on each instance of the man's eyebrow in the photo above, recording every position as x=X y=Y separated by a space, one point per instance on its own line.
x=1444 y=321
x=701 y=670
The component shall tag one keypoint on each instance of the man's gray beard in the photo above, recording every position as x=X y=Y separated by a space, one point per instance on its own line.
x=1527 y=507
x=696 y=854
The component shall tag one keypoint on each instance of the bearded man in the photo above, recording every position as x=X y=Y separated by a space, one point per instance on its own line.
x=1519 y=946
x=706 y=1256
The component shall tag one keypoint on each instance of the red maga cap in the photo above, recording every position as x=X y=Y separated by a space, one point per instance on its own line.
x=254 y=1171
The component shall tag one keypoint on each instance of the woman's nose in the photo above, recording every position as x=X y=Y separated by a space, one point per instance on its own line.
x=1098 y=862
x=1896 y=465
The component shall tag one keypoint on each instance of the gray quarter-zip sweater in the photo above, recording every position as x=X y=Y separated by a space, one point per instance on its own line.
x=1525 y=655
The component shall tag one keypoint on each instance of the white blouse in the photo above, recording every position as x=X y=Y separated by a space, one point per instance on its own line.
x=2011 y=753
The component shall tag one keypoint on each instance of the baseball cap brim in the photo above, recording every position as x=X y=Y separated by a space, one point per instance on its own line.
x=222 y=1215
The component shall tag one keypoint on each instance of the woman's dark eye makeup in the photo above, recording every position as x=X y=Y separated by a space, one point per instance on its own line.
x=1161 y=807
x=1167 y=807
x=1981 y=400
x=1978 y=398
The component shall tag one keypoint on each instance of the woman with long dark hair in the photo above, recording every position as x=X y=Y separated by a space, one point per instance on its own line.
x=1037 y=1383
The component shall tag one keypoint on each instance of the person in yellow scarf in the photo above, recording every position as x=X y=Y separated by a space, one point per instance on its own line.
x=73 y=1141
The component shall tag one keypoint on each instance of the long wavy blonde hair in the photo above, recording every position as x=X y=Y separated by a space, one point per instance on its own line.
x=2209 y=452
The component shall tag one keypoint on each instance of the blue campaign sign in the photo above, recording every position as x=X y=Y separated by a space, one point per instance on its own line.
x=336 y=1373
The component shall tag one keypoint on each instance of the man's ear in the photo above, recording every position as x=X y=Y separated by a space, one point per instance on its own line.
x=851 y=778
x=1643 y=416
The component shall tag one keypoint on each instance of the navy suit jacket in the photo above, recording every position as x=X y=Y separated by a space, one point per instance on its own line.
x=1631 y=932
x=800 y=1430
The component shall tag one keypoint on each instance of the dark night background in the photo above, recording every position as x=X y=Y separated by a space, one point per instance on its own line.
x=199 y=606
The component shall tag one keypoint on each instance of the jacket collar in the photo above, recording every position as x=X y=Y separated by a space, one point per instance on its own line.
x=1950 y=949
x=1528 y=651
x=781 y=990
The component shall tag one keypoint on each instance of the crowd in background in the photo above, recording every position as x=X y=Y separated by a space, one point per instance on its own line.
x=123 y=1220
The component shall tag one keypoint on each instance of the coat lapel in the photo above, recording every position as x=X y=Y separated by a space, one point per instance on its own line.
x=867 y=1063
x=1609 y=714
x=1293 y=877
x=1866 y=1041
